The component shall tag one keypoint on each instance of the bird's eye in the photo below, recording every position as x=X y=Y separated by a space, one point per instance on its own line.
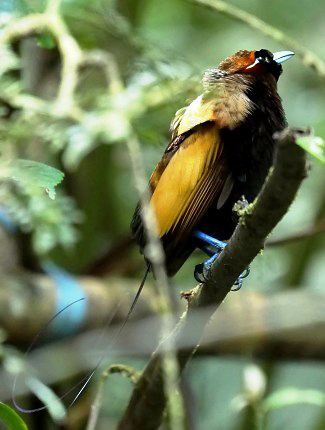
x=263 y=56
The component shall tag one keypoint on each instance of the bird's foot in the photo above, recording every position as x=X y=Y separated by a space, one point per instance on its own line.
x=201 y=271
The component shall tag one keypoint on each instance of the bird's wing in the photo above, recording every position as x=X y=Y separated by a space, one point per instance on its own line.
x=199 y=111
x=186 y=122
x=191 y=174
x=176 y=121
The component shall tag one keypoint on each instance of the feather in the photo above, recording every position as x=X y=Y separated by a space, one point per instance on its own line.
x=176 y=121
x=226 y=190
x=182 y=193
x=198 y=112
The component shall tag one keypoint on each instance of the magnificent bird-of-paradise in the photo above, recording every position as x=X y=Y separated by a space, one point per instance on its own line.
x=221 y=149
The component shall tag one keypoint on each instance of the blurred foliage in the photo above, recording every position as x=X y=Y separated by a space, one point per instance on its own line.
x=32 y=175
x=146 y=58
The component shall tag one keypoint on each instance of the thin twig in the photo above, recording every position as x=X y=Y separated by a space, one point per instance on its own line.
x=72 y=57
x=96 y=405
x=317 y=228
x=308 y=58
x=170 y=366
x=71 y=53
x=157 y=259
x=147 y=403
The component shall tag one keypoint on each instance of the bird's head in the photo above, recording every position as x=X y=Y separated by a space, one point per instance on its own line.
x=251 y=63
x=257 y=63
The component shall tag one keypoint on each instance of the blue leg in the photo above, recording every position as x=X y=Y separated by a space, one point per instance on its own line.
x=202 y=270
x=209 y=240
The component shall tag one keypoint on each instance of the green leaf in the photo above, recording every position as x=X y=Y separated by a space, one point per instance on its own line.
x=31 y=173
x=11 y=419
x=292 y=396
x=314 y=145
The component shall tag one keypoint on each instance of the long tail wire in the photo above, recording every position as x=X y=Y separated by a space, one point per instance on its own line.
x=85 y=380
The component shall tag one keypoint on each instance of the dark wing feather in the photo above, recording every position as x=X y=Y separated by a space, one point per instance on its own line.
x=191 y=175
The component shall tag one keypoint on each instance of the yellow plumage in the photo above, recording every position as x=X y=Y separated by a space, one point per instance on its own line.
x=199 y=111
x=182 y=182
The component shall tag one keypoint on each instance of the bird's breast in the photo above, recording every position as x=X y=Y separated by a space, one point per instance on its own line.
x=250 y=147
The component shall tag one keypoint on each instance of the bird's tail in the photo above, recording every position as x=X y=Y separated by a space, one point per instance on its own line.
x=89 y=375
x=136 y=297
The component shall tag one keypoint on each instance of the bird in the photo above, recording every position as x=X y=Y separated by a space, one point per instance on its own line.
x=220 y=151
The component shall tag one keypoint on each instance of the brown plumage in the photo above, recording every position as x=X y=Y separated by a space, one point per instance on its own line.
x=221 y=149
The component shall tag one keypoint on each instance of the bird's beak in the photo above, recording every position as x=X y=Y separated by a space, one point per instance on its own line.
x=282 y=56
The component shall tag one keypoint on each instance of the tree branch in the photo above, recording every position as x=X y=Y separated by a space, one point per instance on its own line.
x=148 y=400
x=306 y=233
x=281 y=326
x=242 y=326
x=308 y=58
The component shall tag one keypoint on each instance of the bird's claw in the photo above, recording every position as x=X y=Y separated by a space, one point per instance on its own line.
x=246 y=272
x=199 y=273
x=239 y=283
x=202 y=270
